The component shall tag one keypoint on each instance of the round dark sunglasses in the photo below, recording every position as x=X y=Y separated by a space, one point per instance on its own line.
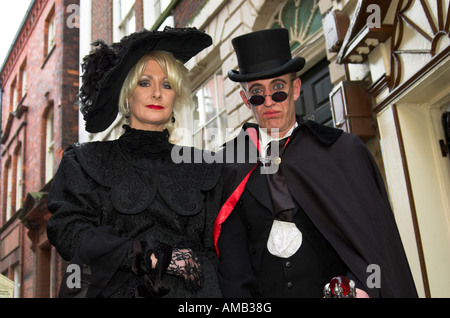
x=277 y=97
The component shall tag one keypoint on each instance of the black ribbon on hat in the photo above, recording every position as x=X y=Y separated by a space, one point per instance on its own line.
x=281 y=198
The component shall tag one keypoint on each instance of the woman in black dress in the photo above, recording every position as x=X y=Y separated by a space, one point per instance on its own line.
x=131 y=221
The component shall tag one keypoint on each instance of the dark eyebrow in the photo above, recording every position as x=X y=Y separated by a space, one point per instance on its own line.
x=271 y=83
x=151 y=77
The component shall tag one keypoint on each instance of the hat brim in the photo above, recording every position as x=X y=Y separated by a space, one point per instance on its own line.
x=294 y=65
x=182 y=44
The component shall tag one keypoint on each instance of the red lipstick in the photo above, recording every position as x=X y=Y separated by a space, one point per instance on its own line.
x=154 y=107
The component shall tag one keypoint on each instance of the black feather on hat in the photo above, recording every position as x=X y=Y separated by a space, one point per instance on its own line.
x=106 y=68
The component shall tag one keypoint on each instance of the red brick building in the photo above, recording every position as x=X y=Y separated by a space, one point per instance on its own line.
x=39 y=118
x=405 y=63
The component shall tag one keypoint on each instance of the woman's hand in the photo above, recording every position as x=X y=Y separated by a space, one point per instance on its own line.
x=186 y=264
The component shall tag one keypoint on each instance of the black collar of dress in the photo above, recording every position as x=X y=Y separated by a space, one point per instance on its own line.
x=145 y=142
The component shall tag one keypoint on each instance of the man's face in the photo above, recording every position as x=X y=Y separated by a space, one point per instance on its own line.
x=271 y=114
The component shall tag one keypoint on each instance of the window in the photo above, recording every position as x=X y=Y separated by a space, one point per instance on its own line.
x=13 y=96
x=127 y=18
x=49 y=147
x=50 y=33
x=9 y=189
x=23 y=80
x=19 y=178
x=16 y=281
x=209 y=114
x=153 y=14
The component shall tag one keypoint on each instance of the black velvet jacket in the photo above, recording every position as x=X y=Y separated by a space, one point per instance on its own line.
x=116 y=202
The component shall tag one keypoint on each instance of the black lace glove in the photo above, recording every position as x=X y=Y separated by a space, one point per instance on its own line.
x=186 y=264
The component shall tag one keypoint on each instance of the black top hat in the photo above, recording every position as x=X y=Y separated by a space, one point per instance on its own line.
x=106 y=68
x=264 y=54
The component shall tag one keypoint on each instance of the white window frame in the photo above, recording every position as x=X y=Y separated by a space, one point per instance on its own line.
x=14 y=95
x=153 y=10
x=19 y=176
x=202 y=126
x=23 y=74
x=51 y=33
x=9 y=188
x=124 y=19
x=49 y=149
x=16 y=272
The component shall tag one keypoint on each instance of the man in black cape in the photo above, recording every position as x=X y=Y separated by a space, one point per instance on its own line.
x=302 y=202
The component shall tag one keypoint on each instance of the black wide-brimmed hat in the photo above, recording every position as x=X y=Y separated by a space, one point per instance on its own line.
x=264 y=54
x=106 y=68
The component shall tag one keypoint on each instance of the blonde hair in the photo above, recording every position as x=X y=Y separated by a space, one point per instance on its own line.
x=177 y=75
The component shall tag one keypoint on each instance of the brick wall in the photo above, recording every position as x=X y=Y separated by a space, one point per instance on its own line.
x=52 y=82
x=102 y=20
x=139 y=13
x=186 y=10
x=67 y=124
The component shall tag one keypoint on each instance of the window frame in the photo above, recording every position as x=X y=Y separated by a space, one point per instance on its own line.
x=157 y=14
x=219 y=117
x=23 y=76
x=50 y=32
x=9 y=190
x=19 y=177
x=13 y=95
x=127 y=17
x=123 y=16
x=49 y=146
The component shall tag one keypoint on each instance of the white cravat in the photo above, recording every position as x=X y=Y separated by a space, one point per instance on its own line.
x=285 y=238
x=266 y=139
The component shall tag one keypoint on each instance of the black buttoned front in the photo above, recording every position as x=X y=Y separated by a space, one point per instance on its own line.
x=305 y=273
x=302 y=275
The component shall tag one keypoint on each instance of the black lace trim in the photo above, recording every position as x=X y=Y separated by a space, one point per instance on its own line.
x=135 y=179
x=152 y=144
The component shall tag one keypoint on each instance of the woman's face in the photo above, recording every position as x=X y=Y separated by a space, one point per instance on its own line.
x=152 y=101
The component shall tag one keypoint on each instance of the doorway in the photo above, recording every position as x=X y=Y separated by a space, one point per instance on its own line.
x=314 y=102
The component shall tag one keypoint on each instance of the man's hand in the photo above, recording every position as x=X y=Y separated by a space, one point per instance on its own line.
x=361 y=293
